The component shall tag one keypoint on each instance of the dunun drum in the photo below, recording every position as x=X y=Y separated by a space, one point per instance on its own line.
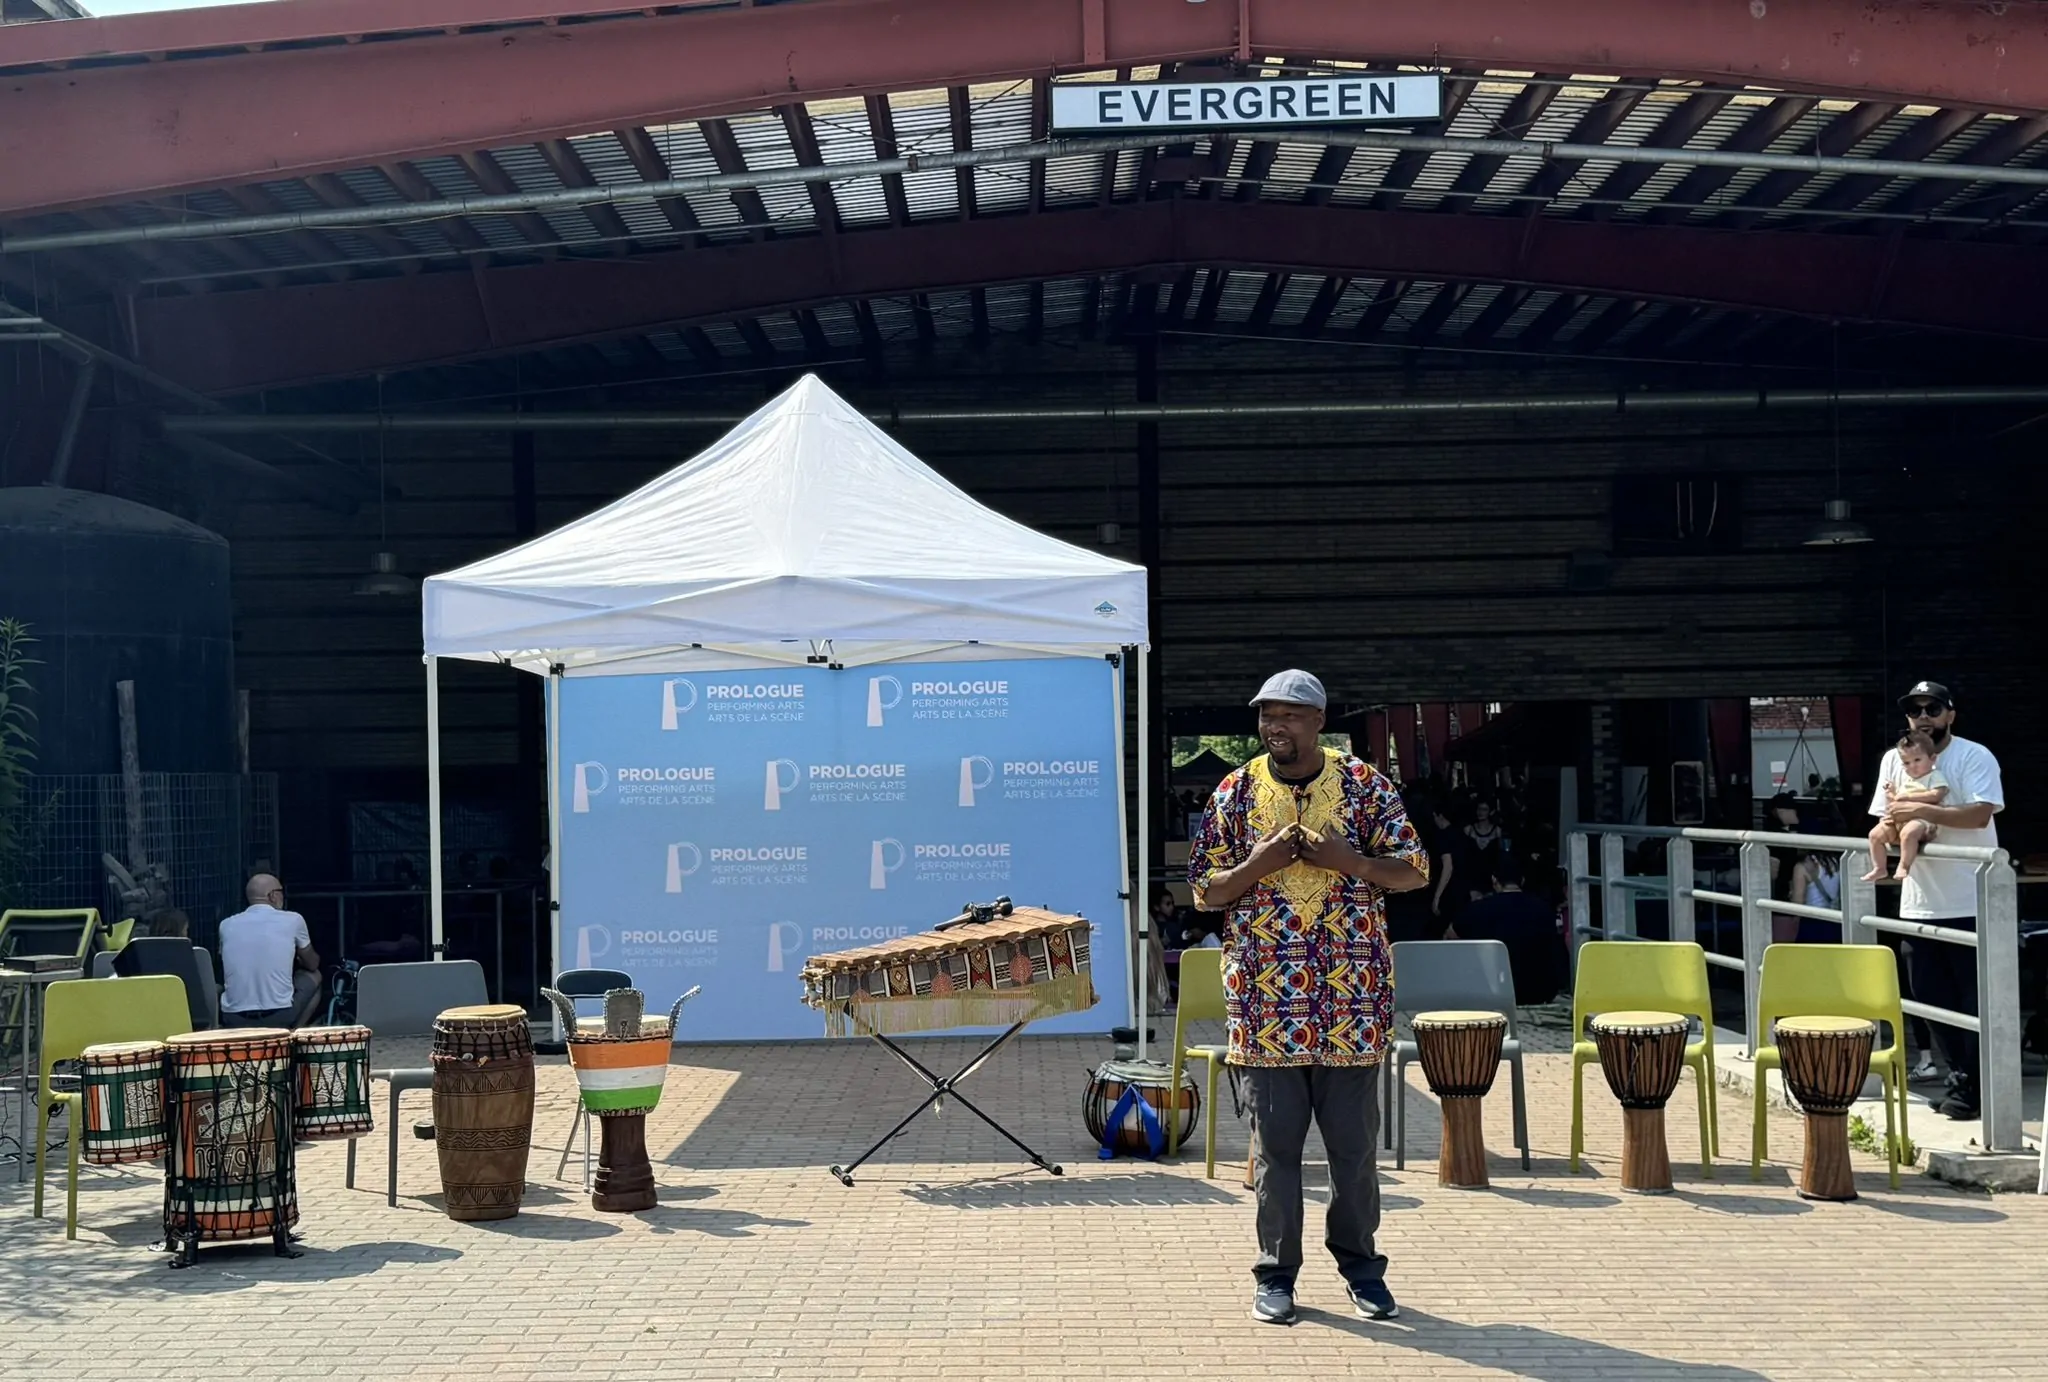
x=123 y=1085
x=1119 y=1126
x=483 y=1108
x=228 y=1095
x=331 y=1083
x=1642 y=1055
x=1460 y=1051
x=1825 y=1060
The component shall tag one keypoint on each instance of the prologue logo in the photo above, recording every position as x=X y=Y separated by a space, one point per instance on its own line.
x=961 y=861
x=591 y=779
x=678 y=698
x=884 y=693
x=684 y=859
x=753 y=702
x=976 y=773
x=884 y=858
x=968 y=698
x=783 y=939
x=783 y=776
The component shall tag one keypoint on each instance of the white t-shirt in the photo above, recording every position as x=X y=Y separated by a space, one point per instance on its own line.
x=256 y=949
x=1939 y=889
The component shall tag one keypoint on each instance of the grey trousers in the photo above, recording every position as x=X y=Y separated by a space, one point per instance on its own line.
x=1344 y=1101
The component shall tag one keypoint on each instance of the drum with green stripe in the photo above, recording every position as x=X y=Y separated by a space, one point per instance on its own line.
x=331 y=1083
x=620 y=1075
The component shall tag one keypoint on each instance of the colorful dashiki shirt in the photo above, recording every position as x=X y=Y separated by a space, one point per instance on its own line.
x=1307 y=968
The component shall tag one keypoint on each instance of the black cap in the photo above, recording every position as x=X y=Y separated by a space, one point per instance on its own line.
x=1928 y=691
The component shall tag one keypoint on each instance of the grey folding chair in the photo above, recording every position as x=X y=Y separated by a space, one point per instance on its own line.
x=1459 y=975
x=403 y=1000
x=209 y=984
x=169 y=955
x=573 y=984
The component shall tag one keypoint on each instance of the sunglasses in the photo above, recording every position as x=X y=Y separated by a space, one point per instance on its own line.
x=1923 y=710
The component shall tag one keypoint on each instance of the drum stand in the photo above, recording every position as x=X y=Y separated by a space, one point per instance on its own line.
x=941 y=1087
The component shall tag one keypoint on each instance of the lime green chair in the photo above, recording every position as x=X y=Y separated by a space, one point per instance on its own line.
x=1833 y=981
x=1663 y=976
x=1201 y=999
x=52 y=931
x=42 y=931
x=78 y=1013
x=118 y=935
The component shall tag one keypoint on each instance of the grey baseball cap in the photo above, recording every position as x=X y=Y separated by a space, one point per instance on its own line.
x=1295 y=687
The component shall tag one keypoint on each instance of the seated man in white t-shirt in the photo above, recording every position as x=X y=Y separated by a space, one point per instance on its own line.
x=270 y=972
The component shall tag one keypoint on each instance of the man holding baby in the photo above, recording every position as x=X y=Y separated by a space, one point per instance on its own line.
x=1951 y=801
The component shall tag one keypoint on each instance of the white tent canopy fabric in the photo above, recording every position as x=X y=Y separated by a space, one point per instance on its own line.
x=804 y=525
x=806 y=533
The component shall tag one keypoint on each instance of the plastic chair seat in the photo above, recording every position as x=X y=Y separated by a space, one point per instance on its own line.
x=1201 y=999
x=397 y=1000
x=78 y=1013
x=1663 y=976
x=1859 y=981
x=574 y=984
x=1455 y=975
x=400 y=1080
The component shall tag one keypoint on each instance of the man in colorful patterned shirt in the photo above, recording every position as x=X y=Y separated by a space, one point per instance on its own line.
x=1300 y=846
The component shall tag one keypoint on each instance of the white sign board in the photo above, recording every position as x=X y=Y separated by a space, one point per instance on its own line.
x=1360 y=100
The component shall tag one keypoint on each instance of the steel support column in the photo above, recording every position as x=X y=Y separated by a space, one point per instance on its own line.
x=1158 y=745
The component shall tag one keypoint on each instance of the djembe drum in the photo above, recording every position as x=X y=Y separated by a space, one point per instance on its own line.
x=1642 y=1055
x=228 y=1100
x=1460 y=1052
x=621 y=1063
x=483 y=1108
x=123 y=1093
x=1825 y=1060
x=1111 y=1107
x=331 y=1083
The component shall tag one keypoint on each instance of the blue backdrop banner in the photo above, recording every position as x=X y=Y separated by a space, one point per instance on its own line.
x=721 y=827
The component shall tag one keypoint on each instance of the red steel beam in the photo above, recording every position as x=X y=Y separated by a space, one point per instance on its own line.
x=127 y=130
x=225 y=342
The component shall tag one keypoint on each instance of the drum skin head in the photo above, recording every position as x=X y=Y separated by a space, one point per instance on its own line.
x=1637 y=1022
x=1826 y=1026
x=1456 y=1018
x=482 y=1012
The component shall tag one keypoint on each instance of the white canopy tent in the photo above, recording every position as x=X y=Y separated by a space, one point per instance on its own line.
x=806 y=534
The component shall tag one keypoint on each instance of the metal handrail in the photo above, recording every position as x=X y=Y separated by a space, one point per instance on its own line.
x=1996 y=939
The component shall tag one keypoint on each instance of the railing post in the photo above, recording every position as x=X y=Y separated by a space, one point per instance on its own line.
x=1581 y=909
x=1859 y=899
x=1756 y=933
x=1617 y=918
x=1998 y=1003
x=1678 y=865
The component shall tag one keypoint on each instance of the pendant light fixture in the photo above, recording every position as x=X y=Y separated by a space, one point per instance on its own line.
x=384 y=579
x=1836 y=528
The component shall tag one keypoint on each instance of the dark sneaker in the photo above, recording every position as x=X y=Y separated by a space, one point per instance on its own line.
x=1273 y=1303
x=1373 y=1301
x=1961 y=1104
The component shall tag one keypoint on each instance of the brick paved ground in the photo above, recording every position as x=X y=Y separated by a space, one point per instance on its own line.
x=949 y=1260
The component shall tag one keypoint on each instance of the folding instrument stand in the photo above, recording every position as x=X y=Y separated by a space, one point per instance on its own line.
x=941 y=1087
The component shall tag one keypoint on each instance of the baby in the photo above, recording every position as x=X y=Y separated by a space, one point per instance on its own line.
x=1916 y=779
